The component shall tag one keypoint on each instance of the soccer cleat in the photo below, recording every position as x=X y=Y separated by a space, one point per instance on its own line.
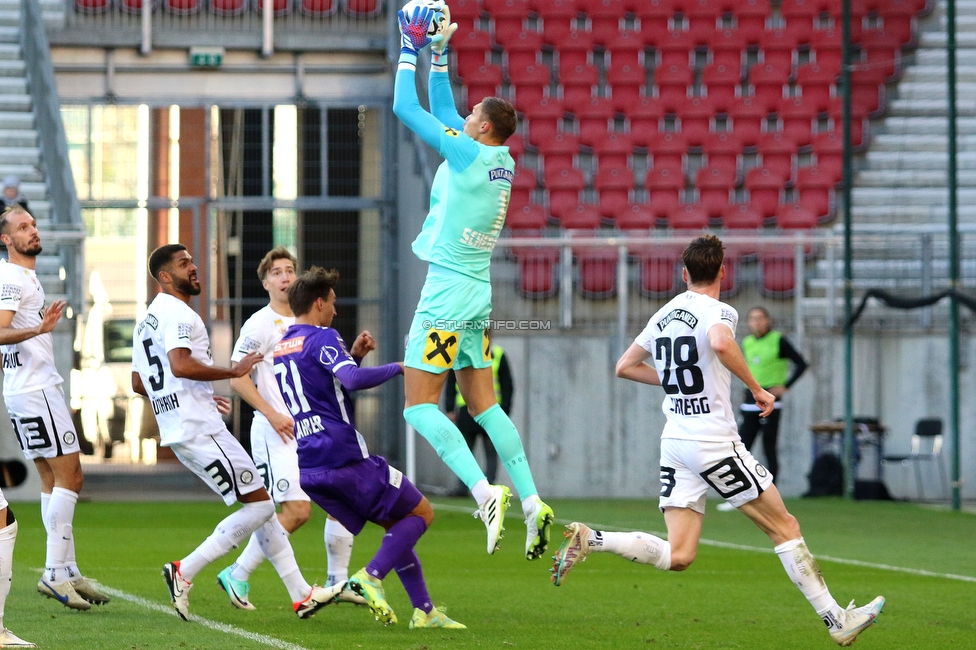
x=179 y=589
x=347 y=595
x=492 y=512
x=725 y=506
x=88 y=591
x=572 y=551
x=435 y=618
x=854 y=620
x=371 y=590
x=237 y=590
x=64 y=593
x=10 y=640
x=318 y=598
x=537 y=525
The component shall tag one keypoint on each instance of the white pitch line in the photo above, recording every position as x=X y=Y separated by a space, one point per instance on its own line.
x=269 y=641
x=760 y=549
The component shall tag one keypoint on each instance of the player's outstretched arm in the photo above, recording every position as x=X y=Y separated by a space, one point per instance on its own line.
x=633 y=365
x=353 y=378
x=10 y=335
x=723 y=343
x=439 y=92
x=186 y=367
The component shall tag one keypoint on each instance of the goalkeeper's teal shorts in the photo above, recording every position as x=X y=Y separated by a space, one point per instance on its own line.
x=448 y=329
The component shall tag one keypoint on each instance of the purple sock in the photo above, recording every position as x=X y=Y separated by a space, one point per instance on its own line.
x=400 y=538
x=412 y=576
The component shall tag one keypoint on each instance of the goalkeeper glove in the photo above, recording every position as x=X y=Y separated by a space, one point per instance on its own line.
x=439 y=47
x=414 y=29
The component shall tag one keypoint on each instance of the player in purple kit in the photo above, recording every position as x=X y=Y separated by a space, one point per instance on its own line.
x=316 y=374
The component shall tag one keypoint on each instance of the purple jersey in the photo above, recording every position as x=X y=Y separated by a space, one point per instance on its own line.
x=305 y=363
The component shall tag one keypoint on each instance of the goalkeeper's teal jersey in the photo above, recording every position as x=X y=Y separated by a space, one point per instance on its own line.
x=467 y=209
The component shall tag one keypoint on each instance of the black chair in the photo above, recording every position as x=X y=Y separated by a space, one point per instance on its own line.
x=926 y=446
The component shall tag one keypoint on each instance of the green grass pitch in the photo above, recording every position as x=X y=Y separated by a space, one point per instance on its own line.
x=732 y=597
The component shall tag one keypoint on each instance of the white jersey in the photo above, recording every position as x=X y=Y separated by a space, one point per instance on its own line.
x=184 y=408
x=259 y=334
x=697 y=386
x=29 y=365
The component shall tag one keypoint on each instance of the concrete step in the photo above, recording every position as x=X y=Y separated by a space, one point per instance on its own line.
x=17 y=137
x=912 y=177
x=910 y=214
x=917 y=160
x=15 y=103
x=965 y=91
x=9 y=34
x=19 y=119
x=938 y=39
x=938 y=57
x=915 y=196
x=34 y=191
x=925 y=126
x=930 y=107
x=14 y=69
x=9 y=52
x=20 y=155
x=23 y=172
x=9 y=18
x=910 y=144
x=13 y=85
x=937 y=73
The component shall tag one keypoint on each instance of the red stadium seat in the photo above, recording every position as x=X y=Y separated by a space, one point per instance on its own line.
x=714 y=184
x=672 y=82
x=751 y=15
x=577 y=83
x=667 y=150
x=644 y=118
x=655 y=19
x=665 y=185
x=558 y=18
x=858 y=11
x=768 y=82
x=559 y=151
x=798 y=117
x=816 y=85
x=531 y=85
x=828 y=147
x=363 y=8
x=687 y=216
x=764 y=187
x=605 y=17
x=563 y=186
x=747 y=116
x=899 y=19
x=469 y=10
x=727 y=47
x=882 y=51
x=800 y=14
x=594 y=116
x=615 y=185
x=723 y=150
x=703 y=16
x=186 y=7
x=721 y=84
x=314 y=8
x=574 y=49
x=859 y=121
x=815 y=191
x=545 y=121
x=826 y=47
x=868 y=91
x=778 y=154
x=696 y=120
x=580 y=217
x=537 y=271
x=482 y=82
x=658 y=270
x=96 y=6
x=636 y=216
x=778 y=270
x=730 y=283
x=741 y=216
x=521 y=49
x=597 y=268
x=470 y=49
x=795 y=216
x=627 y=81
x=627 y=48
x=675 y=48
x=613 y=150
x=526 y=217
x=779 y=48
x=507 y=15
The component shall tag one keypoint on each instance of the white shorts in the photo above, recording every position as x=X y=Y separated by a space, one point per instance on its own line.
x=3 y=504
x=42 y=423
x=277 y=461
x=690 y=467
x=221 y=462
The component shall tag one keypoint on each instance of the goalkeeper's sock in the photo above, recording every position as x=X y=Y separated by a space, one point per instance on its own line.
x=505 y=437
x=250 y=559
x=803 y=570
x=399 y=539
x=338 y=551
x=226 y=536
x=273 y=539
x=411 y=576
x=639 y=547
x=446 y=439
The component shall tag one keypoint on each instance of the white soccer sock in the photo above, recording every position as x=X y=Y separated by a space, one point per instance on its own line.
x=227 y=535
x=273 y=539
x=642 y=548
x=250 y=559
x=481 y=491
x=8 y=535
x=45 y=501
x=338 y=550
x=803 y=570
x=60 y=514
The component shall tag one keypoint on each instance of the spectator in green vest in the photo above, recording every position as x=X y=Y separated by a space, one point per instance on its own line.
x=457 y=410
x=768 y=354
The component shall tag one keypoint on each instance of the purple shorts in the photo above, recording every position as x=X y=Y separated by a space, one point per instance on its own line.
x=365 y=490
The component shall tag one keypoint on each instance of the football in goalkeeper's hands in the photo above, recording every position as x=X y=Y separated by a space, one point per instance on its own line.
x=438 y=24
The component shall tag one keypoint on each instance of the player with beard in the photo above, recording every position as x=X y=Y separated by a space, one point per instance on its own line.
x=173 y=366
x=35 y=401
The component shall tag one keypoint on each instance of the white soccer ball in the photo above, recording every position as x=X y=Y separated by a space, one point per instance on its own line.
x=438 y=24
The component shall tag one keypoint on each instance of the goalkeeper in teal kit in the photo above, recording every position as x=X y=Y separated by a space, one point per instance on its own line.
x=468 y=203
